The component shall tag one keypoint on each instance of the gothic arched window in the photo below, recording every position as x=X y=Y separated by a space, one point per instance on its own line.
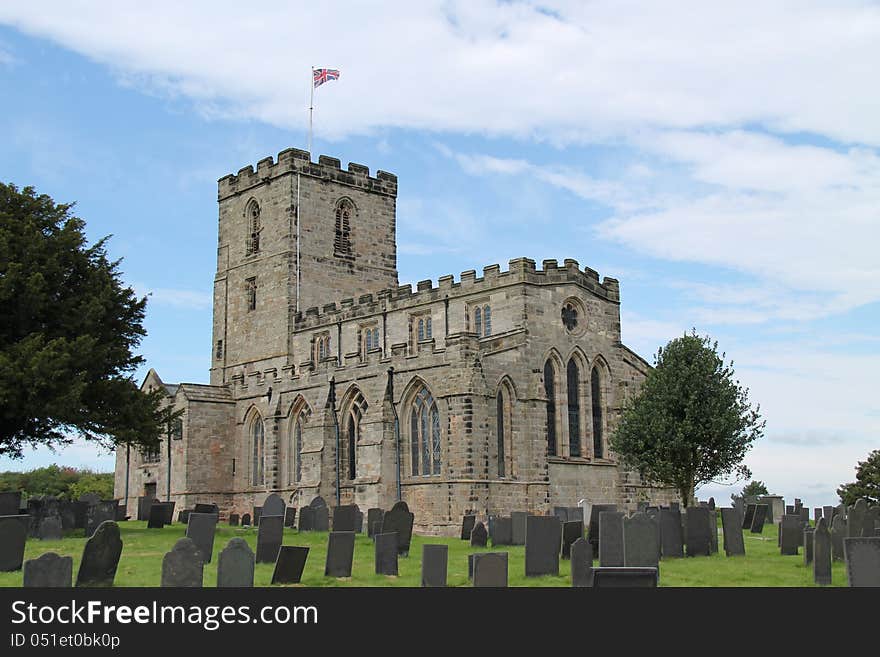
x=342 y=238
x=550 y=392
x=424 y=434
x=352 y=432
x=258 y=451
x=252 y=214
x=573 y=379
x=478 y=321
x=596 y=394
x=487 y=320
x=504 y=425
x=294 y=466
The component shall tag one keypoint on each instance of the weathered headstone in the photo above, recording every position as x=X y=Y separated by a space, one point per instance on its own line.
x=143 y=507
x=235 y=565
x=157 y=516
x=13 y=535
x=561 y=512
x=571 y=531
x=183 y=566
x=290 y=517
x=790 y=534
x=258 y=513
x=321 y=519
x=479 y=535
x=611 y=542
x=862 y=557
x=641 y=544
x=808 y=545
x=576 y=513
x=306 y=519
x=543 y=543
x=503 y=534
x=749 y=516
x=734 y=544
x=822 y=553
x=698 y=538
x=340 y=553
x=828 y=514
x=400 y=521
x=758 y=520
x=50 y=528
x=838 y=533
x=201 y=528
x=856 y=519
x=358 y=520
x=595 y=533
x=621 y=577
x=344 y=518
x=233 y=520
x=386 y=550
x=10 y=503
x=817 y=513
x=518 y=522
x=201 y=507
x=80 y=514
x=97 y=568
x=671 y=538
x=246 y=520
x=374 y=516
x=48 y=570
x=490 y=569
x=467 y=526
x=434 y=565
x=67 y=513
x=290 y=563
x=581 y=563
x=712 y=503
x=713 y=531
x=269 y=537
x=273 y=505
x=183 y=516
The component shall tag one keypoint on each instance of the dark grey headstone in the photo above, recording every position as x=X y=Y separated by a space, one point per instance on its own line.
x=434 y=565
x=67 y=511
x=713 y=531
x=97 y=568
x=50 y=528
x=611 y=545
x=789 y=510
x=838 y=533
x=817 y=513
x=758 y=520
x=321 y=519
x=576 y=513
x=10 y=503
x=183 y=566
x=790 y=534
x=258 y=513
x=233 y=520
x=641 y=544
x=35 y=511
x=13 y=535
x=144 y=504
x=358 y=521
x=561 y=512
x=374 y=516
x=804 y=514
x=290 y=563
x=862 y=557
x=671 y=538
x=467 y=526
x=822 y=553
x=306 y=519
x=828 y=514
x=273 y=505
x=81 y=514
x=712 y=503
x=581 y=563
x=386 y=548
x=246 y=520
x=808 y=545
x=503 y=534
x=611 y=577
x=400 y=521
x=518 y=522
x=857 y=519
x=183 y=516
x=157 y=516
x=490 y=569
x=749 y=516
x=290 y=517
x=698 y=539
x=479 y=535
x=99 y=513
x=571 y=531
x=340 y=553
x=48 y=570
x=235 y=565
x=734 y=544
x=594 y=533
x=543 y=544
x=269 y=537
x=344 y=518
x=200 y=529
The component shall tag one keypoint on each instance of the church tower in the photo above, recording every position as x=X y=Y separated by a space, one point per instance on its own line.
x=294 y=234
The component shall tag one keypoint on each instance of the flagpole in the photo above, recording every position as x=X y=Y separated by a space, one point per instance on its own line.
x=311 y=105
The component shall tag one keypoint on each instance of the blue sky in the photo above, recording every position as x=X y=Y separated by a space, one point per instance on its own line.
x=721 y=162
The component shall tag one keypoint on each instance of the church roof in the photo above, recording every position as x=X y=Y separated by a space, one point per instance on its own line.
x=201 y=392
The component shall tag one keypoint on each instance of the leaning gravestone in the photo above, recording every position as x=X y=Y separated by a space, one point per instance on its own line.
x=400 y=521
x=386 y=550
x=434 y=565
x=306 y=519
x=183 y=566
x=758 y=520
x=862 y=561
x=503 y=534
x=50 y=528
x=595 y=532
x=671 y=539
x=290 y=563
x=838 y=533
x=49 y=570
x=374 y=516
x=808 y=545
x=340 y=553
x=13 y=535
x=641 y=547
x=572 y=530
x=581 y=563
x=235 y=565
x=611 y=545
x=269 y=537
x=290 y=517
x=10 y=503
x=698 y=538
x=734 y=544
x=822 y=553
x=490 y=569
x=518 y=522
x=200 y=529
x=344 y=518
x=543 y=543
x=467 y=526
x=749 y=516
x=479 y=535
x=97 y=568
x=789 y=533
x=273 y=506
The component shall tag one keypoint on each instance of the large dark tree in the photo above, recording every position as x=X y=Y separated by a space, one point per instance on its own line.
x=867 y=483
x=68 y=328
x=691 y=423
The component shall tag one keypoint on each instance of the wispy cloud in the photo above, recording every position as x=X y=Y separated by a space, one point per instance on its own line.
x=184 y=299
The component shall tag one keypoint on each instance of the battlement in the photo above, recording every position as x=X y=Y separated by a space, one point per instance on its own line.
x=520 y=270
x=295 y=160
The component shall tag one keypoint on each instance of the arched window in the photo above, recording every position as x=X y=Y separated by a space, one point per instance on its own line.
x=573 y=380
x=352 y=433
x=258 y=447
x=421 y=330
x=550 y=392
x=596 y=394
x=252 y=214
x=424 y=434
x=478 y=321
x=294 y=465
x=342 y=239
x=504 y=424
x=487 y=321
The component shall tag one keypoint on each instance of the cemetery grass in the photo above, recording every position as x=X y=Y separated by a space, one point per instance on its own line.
x=143 y=550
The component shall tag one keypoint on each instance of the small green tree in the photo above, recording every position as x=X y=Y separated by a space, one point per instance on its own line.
x=867 y=483
x=691 y=423
x=755 y=488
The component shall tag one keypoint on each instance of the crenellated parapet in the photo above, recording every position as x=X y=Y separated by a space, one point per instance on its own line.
x=294 y=160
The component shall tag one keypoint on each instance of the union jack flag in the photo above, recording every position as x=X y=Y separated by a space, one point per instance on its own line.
x=322 y=75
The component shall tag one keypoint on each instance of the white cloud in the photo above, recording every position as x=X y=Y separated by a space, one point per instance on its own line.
x=186 y=299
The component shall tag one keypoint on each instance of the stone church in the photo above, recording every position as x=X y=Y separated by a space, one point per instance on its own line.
x=488 y=394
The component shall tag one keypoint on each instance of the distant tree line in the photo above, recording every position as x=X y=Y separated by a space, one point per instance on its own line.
x=59 y=481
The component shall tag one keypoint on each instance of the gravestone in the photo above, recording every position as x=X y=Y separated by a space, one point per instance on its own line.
x=374 y=516
x=575 y=513
x=290 y=517
x=306 y=519
x=201 y=528
x=233 y=520
x=183 y=516
x=143 y=509
x=340 y=553
x=13 y=535
x=35 y=514
x=258 y=513
x=804 y=514
x=386 y=549
x=518 y=524
x=595 y=533
x=808 y=545
x=157 y=516
x=611 y=543
x=291 y=560
x=862 y=557
x=206 y=508
x=543 y=543
x=467 y=526
x=50 y=528
x=80 y=513
x=749 y=516
x=698 y=538
x=856 y=519
x=235 y=565
x=344 y=518
x=734 y=544
x=712 y=503
x=671 y=538
x=758 y=520
x=479 y=535
x=246 y=520
x=97 y=568
x=822 y=553
x=789 y=510
x=817 y=513
x=503 y=534
x=183 y=566
x=790 y=534
x=713 y=531
x=621 y=577
x=490 y=569
x=273 y=505
x=321 y=519
x=434 y=565
x=828 y=514
x=318 y=503
x=399 y=520
x=269 y=537
x=67 y=512
x=838 y=533
x=10 y=503
x=571 y=531
x=358 y=521
x=581 y=563
x=48 y=570
x=641 y=544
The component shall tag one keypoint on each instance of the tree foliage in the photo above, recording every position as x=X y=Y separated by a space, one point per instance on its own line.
x=755 y=488
x=867 y=483
x=68 y=328
x=59 y=481
x=691 y=423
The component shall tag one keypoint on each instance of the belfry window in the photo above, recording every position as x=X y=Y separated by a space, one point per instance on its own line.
x=251 y=292
x=342 y=237
x=252 y=214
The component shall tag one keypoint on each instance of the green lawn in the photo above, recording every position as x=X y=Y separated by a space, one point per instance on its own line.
x=143 y=549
